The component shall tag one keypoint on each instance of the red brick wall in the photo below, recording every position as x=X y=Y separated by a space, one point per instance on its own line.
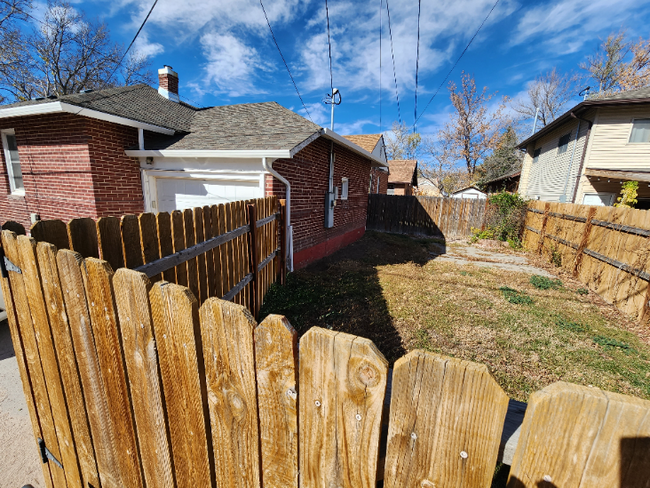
x=308 y=173
x=72 y=167
x=377 y=173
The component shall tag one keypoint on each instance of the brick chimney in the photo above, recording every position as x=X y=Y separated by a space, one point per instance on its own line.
x=168 y=83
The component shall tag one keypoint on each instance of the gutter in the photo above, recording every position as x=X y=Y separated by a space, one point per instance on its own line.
x=268 y=166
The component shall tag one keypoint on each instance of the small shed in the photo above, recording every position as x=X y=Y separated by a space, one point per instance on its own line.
x=402 y=177
x=469 y=192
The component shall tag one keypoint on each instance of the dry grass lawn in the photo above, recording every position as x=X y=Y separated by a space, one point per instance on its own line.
x=392 y=290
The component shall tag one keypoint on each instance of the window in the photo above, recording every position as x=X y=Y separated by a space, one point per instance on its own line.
x=13 y=163
x=370 y=187
x=344 y=189
x=391 y=190
x=640 y=130
x=563 y=143
x=536 y=154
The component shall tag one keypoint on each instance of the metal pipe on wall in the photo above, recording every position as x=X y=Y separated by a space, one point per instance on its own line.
x=268 y=166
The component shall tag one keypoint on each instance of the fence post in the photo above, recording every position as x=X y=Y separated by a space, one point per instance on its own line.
x=583 y=241
x=542 y=231
x=283 y=241
x=252 y=255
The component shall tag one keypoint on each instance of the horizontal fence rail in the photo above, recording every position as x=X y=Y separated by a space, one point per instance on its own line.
x=606 y=248
x=444 y=217
x=132 y=383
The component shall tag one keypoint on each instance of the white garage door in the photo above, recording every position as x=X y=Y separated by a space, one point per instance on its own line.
x=179 y=194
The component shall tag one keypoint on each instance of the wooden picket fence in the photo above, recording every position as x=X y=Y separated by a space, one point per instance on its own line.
x=208 y=249
x=130 y=383
x=434 y=216
x=606 y=248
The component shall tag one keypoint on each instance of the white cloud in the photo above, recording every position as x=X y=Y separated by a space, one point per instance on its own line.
x=230 y=64
x=148 y=49
x=565 y=26
x=356 y=127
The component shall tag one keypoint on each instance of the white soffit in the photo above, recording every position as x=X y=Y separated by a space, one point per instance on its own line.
x=210 y=153
x=62 y=107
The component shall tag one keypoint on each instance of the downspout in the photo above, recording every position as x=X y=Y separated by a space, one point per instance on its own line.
x=268 y=166
x=582 y=159
x=573 y=153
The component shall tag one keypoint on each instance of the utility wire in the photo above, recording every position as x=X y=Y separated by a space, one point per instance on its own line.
x=134 y=38
x=458 y=60
x=392 y=53
x=329 y=44
x=417 y=68
x=285 y=62
x=381 y=5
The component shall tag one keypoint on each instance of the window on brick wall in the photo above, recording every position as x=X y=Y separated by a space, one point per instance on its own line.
x=13 y=162
x=344 y=189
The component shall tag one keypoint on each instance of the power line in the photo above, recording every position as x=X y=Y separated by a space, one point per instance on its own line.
x=285 y=62
x=134 y=38
x=381 y=5
x=417 y=67
x=392 y=53
x=329 y=44
x=458 y=60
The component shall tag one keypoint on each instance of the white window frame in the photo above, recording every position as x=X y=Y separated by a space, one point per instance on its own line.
x=536 y=158
x=629 y=139
x=8 y=163
x=345 y=187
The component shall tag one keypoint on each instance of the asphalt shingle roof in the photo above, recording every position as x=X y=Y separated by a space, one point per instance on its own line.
x=365 y=141
x=401 y=170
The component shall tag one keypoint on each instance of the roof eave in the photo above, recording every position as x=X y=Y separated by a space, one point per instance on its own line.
x=333 y=136
x=62 y=107
x=210 y=153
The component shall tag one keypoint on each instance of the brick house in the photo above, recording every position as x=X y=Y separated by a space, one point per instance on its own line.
x=135 y=149
x=374 y=144
x=403 y=177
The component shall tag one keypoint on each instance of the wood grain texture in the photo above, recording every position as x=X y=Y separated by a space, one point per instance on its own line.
x=19 y=352
x=220 y=262
x=342 y=387
x=276 y=358
x=199 y=237
x=149 y=240
x=94 y=391
x=209 y=256
x=29 y=331
x=132 y=300
x=227 y=332
x=110 y=241
x=446 y=418
x=575 y=436
x=190 y=240
x=178 y=239
x=65 y=354
x=53 y=231
x=131 y=241
x=83 y=237
x=176 y=327
x=97 y=277
x=165 y=244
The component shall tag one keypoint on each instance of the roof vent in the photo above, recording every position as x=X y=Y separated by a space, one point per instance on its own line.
x=51 y=96
x=87 y=90
x=168 y=83
x=39 y=98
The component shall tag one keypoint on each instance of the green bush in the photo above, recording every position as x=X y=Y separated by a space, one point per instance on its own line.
x=545 y=283
x=505 y=218
x=582 y=291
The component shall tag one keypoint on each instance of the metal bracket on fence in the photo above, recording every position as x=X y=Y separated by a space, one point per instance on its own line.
x=6 y=265
x=46 y=455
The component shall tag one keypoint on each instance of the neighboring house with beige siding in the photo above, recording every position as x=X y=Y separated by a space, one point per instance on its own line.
x=586 y=154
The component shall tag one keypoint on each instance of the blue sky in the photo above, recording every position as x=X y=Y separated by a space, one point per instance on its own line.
x=224 y=53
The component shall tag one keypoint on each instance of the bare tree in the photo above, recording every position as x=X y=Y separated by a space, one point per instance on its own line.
x=12 y=49
x=474 y=130
x=612 y=68
x=401 y=143
x=550 y=93
x=437 y=168
x=67 y=53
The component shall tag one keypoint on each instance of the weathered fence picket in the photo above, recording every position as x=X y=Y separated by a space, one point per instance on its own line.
x=444 y=217
x=606 y=248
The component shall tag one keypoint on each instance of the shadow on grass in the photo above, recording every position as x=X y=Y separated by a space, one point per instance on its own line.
x=342 y=292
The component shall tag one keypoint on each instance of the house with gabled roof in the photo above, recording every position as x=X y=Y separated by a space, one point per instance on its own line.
x=375 y=145
x=586 y=154
x=133 y=149
x=403 y=176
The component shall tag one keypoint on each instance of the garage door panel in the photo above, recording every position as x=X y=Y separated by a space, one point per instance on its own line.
x=179 y=194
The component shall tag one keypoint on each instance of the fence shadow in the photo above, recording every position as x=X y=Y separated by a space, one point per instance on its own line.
x=6 y=346
x=342 y=292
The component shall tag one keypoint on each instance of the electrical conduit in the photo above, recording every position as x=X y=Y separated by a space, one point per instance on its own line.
x=268 y=166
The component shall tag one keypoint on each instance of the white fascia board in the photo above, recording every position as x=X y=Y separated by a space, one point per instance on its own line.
x=61 y=107
x=210 y=153
x=376 y=162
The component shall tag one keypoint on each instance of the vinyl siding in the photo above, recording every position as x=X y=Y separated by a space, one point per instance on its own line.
x=610 y=148
x=547 y=178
